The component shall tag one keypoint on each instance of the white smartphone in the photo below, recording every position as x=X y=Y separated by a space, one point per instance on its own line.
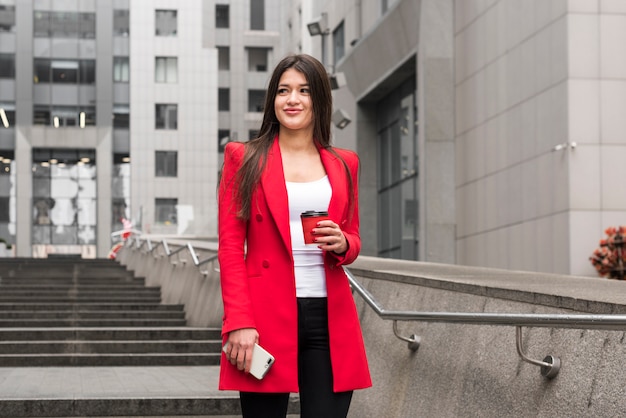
x=261 y=361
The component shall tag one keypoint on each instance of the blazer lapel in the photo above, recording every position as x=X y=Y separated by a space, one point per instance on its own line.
x=275 y=192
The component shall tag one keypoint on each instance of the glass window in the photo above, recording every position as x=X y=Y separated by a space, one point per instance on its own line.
x=5 y=213
x=64 y=71
x=121 y=69
x=166 y=70
x=165 y=23
x=41 y=70
x=257 y=59
x=64 y=25
x=121 y=22
x=339 y=49
x=223 y=58
x=121 y=116
x=7 y=65
x=256 y=100
x=64 y=203
x=257 y=14
x=166 y=164
x=120 y=191
x=252 y=134
x=165 y=211
x=41 y=24
x=7 y=118
x=166 y=116
x=223 y=100
x=41 y=115
x=87 y=71
x=87 y=25
x=7 y=18
x=222 y=17
x=223 y=138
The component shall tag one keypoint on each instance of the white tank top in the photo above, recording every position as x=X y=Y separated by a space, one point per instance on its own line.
x=308 y=259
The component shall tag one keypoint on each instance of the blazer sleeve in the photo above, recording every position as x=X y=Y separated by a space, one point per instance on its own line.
x=350 y=225
x=231 y=250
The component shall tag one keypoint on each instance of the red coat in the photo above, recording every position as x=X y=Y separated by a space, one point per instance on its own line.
x=258 y=291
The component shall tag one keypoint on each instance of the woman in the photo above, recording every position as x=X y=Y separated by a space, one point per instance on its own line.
x=292 y=299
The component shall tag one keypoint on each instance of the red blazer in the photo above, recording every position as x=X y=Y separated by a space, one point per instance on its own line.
x=258 y=289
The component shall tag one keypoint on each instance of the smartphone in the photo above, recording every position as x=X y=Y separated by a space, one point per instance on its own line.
x=261 y=361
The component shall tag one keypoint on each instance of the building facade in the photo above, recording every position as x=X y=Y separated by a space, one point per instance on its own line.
x=490 y=132
x=91 y=136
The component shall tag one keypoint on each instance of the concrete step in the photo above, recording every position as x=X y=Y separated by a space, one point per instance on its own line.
x=116 y=287
x=71 y=306
x=108 y=359
x=180 y=391
x=83 y=293
x=136 y=346
x=81 y=299
x=85 y=314
x=109 y=333
x=104 y=322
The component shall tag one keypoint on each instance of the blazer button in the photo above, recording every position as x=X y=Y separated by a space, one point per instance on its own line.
x=266 y=264
x=259 y=217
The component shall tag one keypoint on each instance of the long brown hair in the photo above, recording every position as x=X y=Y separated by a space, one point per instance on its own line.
x=256 y=150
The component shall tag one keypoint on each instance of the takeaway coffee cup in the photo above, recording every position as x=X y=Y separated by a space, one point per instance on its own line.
x=310 y=219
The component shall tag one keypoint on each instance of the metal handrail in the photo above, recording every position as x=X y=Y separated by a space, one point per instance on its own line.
x=550 y=365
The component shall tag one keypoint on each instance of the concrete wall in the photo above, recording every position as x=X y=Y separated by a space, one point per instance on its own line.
x=532 y=76
x=474 y=370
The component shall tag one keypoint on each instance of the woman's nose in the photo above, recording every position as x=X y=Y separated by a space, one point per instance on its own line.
x=293 y=97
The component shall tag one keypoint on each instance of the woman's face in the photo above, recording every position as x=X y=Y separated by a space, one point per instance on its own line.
x=292 y=104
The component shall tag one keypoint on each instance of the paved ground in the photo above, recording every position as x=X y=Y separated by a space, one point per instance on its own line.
x=109 y=382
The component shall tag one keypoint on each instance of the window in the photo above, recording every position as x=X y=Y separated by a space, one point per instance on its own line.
x=7 y=65
x=223 y=58
x=257 y=59
x=165 y=211
x=64 y=116
x=339 y=49
x=121 y=23
x=121 y=116
x=166 y=164
x=64 y=24
x=222 y=17
x=87 y=25
x=64 y=196
x=87 y=72
x=121 y=69
x=252 y=134
x=166 y=70
x=257 y=14
x=223 y=138
x=256 y=100
x=223 y=100
x=7 y=18
x=64 y=71
x=165 y=23
x=166 y=116
x=7 y=115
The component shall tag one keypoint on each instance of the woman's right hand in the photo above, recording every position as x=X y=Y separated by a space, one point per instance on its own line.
x=240 y=345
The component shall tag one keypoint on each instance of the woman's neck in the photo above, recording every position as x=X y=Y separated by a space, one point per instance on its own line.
x=296 y=141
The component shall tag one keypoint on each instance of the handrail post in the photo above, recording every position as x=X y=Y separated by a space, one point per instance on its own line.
x=550 y=365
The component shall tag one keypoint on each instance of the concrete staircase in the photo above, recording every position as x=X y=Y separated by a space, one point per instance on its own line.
x=87 y=320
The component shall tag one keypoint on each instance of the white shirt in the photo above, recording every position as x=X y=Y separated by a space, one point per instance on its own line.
x=308 y=259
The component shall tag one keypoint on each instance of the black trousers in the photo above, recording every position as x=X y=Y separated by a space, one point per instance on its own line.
x=315 y=376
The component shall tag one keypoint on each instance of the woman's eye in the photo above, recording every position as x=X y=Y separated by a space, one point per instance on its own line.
x=305 y=91
x=282 y=91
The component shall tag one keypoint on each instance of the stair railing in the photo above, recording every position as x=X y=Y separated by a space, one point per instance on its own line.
x=549 y=366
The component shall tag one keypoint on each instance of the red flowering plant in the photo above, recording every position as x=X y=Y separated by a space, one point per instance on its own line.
x=610 y=258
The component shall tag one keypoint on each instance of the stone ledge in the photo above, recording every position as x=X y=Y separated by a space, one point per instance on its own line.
x=582 y=294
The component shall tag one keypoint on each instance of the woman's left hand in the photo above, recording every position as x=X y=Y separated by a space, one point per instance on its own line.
x=330 y=237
